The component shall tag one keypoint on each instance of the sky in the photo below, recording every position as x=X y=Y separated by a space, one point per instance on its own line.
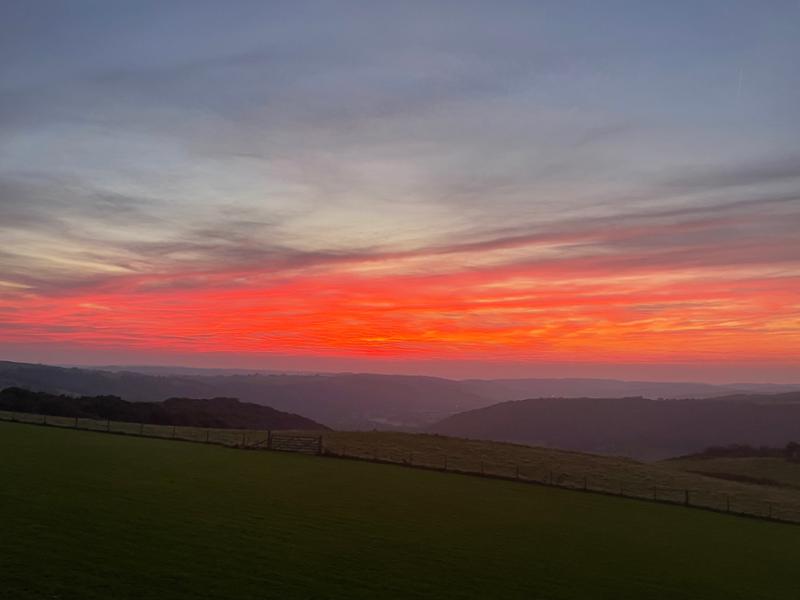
x=455 y=188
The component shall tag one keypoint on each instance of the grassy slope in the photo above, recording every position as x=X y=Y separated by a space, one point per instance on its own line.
x=569 y=468
x=87 y=515
x=778 y=470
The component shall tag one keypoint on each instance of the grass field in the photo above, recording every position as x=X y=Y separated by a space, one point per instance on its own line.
x=225 y=437
x=570 y=469
x=666 y=481
x=768 y=470
x=88 y=515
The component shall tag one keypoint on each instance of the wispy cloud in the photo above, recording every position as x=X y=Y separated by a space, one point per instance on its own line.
x=432 y=180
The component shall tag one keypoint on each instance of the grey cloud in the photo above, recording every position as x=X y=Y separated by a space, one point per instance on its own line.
x=777 y=169
x=205 y=254
x=40 y=201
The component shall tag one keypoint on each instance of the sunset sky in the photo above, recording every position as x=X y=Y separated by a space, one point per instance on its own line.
x=455 y=188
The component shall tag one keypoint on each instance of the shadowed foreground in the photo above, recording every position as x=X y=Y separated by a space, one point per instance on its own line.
x=87 y=515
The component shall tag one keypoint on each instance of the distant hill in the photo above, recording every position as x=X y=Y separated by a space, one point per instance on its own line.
x=636 y=427
x=520 y=389
x=347 y=400
x=515 y=389
x=340 y=400
x=214 y=412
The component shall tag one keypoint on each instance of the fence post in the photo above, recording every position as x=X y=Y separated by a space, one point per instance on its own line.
x=320 y=449
x=207 y=435
x=482 y=468
x=108 y=425
x=173 y=432
x=141 y=428
x=585 y=483
x=769 y=508
x=269 y=439
x=686 y=497
x=550 y=477
x=76 y=422
x=44 y=420
x=244 y=439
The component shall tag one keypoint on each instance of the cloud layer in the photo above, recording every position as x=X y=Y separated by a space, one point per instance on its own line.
x=437 y=182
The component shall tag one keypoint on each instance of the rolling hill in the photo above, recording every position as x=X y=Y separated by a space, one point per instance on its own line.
x=664 y=480
x=351 y=401
x=635 y=427
x=91 y=515
x=521 y=389
x=340 y=400
x=214 y=412
x=777 y=468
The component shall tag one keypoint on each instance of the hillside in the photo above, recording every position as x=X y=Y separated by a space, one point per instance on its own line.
x=635 y=427
x=340 y=400
x=146 y=519
x=611 y=474
x=521 y=389
x=215 y=412
x=775 y=472
x=351 y=401
x=665 y=481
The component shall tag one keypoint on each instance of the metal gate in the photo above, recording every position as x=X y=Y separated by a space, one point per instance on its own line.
x=295 y=442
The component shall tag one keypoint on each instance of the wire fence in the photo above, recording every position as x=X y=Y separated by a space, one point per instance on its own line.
x=236 y=438
x=313 y=443
x=708 y=499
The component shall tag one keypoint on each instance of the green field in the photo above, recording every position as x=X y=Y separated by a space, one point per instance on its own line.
x=608 y=474
x=89 y=515
x=769 y=471
x=666 y=481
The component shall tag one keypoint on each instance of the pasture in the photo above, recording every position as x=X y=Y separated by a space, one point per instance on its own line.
x=88 y=515
x=768 y=471
x=666 y=480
